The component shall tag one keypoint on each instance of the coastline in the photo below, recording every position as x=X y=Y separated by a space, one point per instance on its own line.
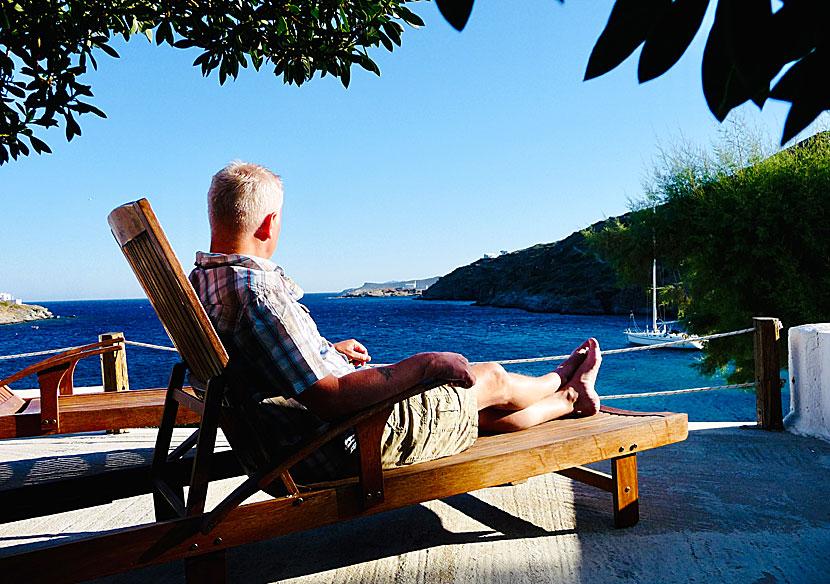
x=18 y=313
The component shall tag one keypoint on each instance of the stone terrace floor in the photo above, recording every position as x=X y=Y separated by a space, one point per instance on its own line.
x=730 y=504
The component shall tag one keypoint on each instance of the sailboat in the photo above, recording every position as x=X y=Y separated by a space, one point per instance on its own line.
x=660 y=334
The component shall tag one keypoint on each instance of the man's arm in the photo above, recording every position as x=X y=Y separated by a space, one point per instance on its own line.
x=332 y=397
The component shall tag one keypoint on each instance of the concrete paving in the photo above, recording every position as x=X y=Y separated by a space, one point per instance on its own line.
x=730 y=504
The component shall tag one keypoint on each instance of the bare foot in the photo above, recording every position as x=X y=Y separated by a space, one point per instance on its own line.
x=584 y=379
x=569 y=366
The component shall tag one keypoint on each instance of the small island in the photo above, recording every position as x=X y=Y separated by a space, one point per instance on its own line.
x=12 y=313
x=412 y=288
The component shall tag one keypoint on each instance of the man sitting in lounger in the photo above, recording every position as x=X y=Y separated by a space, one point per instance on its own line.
x=255 y=310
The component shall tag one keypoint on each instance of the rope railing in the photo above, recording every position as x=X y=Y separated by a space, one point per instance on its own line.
x=678 y=391
x=149 y=346
x=38 y=353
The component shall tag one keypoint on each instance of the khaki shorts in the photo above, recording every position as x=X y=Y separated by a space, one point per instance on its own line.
x=437 y=423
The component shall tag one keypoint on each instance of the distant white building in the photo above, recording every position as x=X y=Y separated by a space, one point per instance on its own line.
x=6 y=297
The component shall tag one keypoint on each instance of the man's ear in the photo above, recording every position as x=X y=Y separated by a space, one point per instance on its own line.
x=268 y=228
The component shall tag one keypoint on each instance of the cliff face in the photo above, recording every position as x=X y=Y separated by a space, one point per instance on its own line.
x=563 y=277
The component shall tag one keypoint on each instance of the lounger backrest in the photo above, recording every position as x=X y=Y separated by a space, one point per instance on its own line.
x=149 y=253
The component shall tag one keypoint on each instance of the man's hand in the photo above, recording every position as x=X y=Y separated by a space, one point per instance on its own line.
x=354 y=352
x=453 y=367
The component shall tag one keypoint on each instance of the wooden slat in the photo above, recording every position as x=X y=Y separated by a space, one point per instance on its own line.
x=167 y=541
x=10 y=403
x=140 y=236
x=217 y=353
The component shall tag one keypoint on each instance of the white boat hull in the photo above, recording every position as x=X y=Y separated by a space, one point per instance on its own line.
x=650 y=338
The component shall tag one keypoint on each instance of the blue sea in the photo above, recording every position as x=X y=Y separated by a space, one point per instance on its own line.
x=395 y=328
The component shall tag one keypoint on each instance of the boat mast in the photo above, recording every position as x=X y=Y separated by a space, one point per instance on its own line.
x=654 y=295
x=653 y=275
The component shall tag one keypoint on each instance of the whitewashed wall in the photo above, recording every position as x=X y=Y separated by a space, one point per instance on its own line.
x=809 y=380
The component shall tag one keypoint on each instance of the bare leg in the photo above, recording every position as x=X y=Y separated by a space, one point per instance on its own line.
x=577 y=396
x=497 y=388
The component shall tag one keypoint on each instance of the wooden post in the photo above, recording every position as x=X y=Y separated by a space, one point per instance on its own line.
x=768 y=373
x=114 y=369
x=626 y=493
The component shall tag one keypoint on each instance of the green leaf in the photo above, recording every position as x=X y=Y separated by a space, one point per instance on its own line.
x=409 y=17
x=185 y=43
x=798 y=87
x=164 y=33
x=457 y=12
x=107 y=49
x=83 y=108
x=386 y=43
x=393 y=29
x=39 y=146
x=670 y=37
x=725 y=83
x=627 y=28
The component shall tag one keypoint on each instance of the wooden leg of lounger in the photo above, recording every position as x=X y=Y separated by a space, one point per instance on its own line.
x=626 y=497
x=168 y=494
x=206 y=569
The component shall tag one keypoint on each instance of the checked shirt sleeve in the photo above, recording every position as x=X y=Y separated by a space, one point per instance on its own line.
x=284 y=341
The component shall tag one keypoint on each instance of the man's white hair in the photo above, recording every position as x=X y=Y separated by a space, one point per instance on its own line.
x=241 y=195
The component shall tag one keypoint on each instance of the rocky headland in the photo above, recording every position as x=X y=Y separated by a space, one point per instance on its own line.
x=11 y=313
x=387 y=289
x=564 y=277
x=381 y=293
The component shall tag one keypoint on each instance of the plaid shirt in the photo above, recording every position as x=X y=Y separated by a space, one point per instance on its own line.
x=254 y=308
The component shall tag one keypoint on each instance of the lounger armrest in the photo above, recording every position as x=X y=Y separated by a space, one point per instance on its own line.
x=365 y=421
x=55 y=376
x=70 y=357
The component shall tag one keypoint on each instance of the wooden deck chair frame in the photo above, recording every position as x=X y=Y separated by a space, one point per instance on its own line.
x=59 y=411
x=185 y=531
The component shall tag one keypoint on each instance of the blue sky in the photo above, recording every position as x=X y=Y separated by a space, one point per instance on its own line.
x=467 y=143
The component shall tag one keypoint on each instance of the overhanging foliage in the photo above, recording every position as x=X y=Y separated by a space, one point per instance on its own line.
x=748 y=46
x=46 y=45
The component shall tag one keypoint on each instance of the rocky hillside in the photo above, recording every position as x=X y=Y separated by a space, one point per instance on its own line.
x=563 y=277
x=11 y=313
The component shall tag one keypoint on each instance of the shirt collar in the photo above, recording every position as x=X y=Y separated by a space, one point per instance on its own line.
x=214 y=260
x=207 y=260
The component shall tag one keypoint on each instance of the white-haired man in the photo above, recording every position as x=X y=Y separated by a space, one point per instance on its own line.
x=255 y=309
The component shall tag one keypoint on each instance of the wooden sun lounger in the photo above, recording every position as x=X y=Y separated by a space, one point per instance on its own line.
x=59 y=411
x=184 y=529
